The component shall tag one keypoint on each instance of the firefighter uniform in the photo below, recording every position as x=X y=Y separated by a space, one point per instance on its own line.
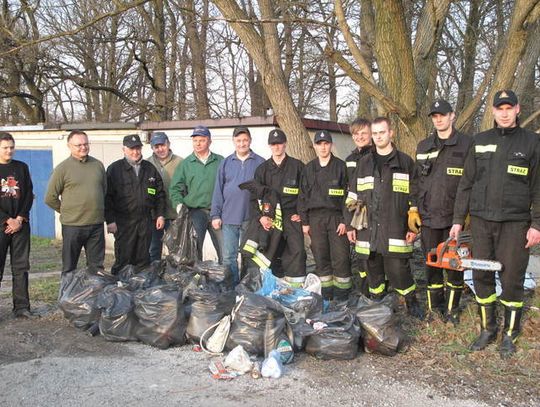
x=358 y=265
x=438 y=169
x=383 y=243
x=133 y=201
x=284 y=179
x=499 y=187
x=321 y=206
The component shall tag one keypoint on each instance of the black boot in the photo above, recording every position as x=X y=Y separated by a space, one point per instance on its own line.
x=413 y=306
x=512 y=322
x=341 y=294
x=488 y=326
x=328 y=293
x=435 y=300
x=451 y=312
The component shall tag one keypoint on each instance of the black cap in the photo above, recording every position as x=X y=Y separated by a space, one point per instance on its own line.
x=277 y=136
x=505 y=97
x=239 y=130
x=132 y=140
x=440 y=106
x=322 y=135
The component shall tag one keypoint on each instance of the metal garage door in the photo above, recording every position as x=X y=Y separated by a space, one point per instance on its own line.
x=41 y=165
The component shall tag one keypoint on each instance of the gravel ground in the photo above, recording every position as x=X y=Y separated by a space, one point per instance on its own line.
x=96 y=372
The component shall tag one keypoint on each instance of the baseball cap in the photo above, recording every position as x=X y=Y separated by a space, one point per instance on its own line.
x=132 y=140
x=158 y=137
x=241 y=129
x=201 y=131
x=440 y=106
x=322 y=135
x=503 y=97
x=276 y=136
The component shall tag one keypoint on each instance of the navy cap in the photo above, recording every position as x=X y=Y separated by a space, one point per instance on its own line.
x=158 y=137
x=277 y=136
x=440 y=106
x=132 y=140
x=201 y=131
x=505 y=97
x=322 y=135
x=241 y=129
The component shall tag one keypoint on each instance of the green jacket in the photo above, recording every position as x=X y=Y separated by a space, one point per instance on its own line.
x=166 y=170
x=193 y=182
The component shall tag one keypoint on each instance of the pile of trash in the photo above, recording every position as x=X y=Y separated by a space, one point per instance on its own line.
x=181 y=300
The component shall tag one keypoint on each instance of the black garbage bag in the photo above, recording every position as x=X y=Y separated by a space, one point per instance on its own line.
x=381 y=332
x=161 y=316
x=208 y=307
x=117 y=321
x=181 y=240
x=126 y=272
x=251 y=281
x=215 y=272
x=249 y=323
x=79 y=290
x=146 y=278
x=337 y=339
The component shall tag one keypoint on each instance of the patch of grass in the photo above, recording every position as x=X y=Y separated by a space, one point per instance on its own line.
x=45 y=289
x=40 y=242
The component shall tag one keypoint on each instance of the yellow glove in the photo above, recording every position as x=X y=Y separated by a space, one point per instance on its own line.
x=467 y=224
x=414 y=220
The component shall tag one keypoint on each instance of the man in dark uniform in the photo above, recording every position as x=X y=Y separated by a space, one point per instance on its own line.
x=361 y=134
x=282 y=174
x=382 y=185
x=134 y=203
x=16 y=198
x=500 y=188
x=322 y=212
x=438 y=169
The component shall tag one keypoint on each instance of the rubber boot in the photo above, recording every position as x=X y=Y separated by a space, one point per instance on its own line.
x=451 y=311
x=435 y=301
x=512 y=322
x=327 y=293
x=341 y=294
x=413 y=306
x=488 y=326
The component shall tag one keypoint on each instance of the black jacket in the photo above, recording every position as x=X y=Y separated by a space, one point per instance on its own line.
x=16 y=192
x=500 y=180
x=130 y=197
x=436 y=176
x=353 y=159
x=284 y=180
x=323 y=189
x=386 y=195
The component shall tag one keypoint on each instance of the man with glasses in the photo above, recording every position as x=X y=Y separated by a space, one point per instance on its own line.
x=76 y=190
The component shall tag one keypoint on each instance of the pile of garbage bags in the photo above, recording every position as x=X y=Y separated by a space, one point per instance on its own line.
x=181 y=299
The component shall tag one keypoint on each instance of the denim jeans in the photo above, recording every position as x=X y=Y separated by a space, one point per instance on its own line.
x=156 y=244
x=201 y=223
x=232 y=236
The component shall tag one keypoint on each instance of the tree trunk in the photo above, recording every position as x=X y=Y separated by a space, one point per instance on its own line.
x=267 y=57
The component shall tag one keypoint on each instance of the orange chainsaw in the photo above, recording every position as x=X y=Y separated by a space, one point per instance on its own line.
x=455 y=254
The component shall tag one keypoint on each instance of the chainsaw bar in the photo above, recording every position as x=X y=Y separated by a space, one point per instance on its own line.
x=478 y=264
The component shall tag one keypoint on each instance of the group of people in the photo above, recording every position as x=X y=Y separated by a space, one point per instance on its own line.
x=366 y=210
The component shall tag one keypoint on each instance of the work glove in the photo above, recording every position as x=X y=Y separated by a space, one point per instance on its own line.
x=360 y=219
x=414 y=220
x=179 y=208
x=467 y=223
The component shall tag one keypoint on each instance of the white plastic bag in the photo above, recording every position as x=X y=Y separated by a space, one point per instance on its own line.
x=312 y=283
x=238 y=360
x=272 y=366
